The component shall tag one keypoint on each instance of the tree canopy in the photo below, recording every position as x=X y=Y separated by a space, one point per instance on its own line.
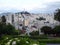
x=7 y=29
x=57 y=15
x=46 y=29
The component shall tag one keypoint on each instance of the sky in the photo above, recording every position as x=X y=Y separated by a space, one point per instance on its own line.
x=35 y=6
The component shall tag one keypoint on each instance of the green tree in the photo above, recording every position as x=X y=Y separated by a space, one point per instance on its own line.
x=8 y=29
x=2 y=29
x=46 y=29
x=56 y=30
x=57 y=15
x=3 y=19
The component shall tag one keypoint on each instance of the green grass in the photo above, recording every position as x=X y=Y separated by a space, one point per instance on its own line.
x=21 y=40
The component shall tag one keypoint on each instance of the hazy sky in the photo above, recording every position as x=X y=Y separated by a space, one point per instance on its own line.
x=28 y=5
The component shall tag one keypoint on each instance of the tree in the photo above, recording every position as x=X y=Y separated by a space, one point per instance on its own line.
x=7 y=29
x=3 y=19
x=46 y=29
x=57 y=18
x=57 y=15
x=56 y=30
x=10 y=29
x=2 y=29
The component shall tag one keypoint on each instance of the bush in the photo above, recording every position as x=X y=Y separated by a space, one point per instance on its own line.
x=19 y=41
